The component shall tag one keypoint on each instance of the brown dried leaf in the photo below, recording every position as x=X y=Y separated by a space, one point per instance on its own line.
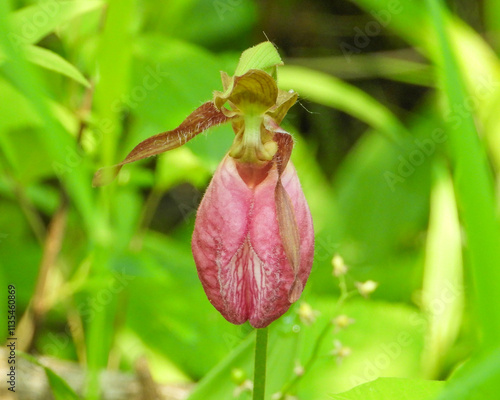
x=198 y=121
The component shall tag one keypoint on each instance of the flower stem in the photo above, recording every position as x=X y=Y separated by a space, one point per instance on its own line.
x=259 y=381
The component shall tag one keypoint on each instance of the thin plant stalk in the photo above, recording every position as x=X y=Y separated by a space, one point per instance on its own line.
x=259 y=382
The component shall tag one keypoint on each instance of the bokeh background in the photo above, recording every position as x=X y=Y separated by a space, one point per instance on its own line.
x=397 y=148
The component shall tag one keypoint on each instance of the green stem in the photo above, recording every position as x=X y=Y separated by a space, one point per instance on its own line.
x=259 y=381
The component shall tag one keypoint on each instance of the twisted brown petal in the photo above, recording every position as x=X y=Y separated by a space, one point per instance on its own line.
x=198 y=121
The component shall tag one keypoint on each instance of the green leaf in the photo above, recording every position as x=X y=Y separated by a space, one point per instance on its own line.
x=474 y=185
x=54 y=62
x=60 y=389
x=478 y=379
x=393 y=388
x=332 y=92
x=216 y=385
x=114 y=49
x=30 y=24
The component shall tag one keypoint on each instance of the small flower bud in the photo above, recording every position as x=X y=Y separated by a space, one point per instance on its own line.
x=340 y=351
x=246 y=386
x=306 y=314
x=299 y=369
x=342 y=322
x=366 y=288
x=339 y=267
x=238 y=376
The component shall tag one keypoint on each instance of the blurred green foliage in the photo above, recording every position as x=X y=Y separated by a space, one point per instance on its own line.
x=397 y=148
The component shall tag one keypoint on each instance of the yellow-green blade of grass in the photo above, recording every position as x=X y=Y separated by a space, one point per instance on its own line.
x=393 y=66
x=114 y=55
x=54 y=62
x=442 y=291
x=474 y=187
x=332 y=92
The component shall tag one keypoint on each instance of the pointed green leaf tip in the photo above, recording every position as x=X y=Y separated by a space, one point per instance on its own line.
x=264 y=56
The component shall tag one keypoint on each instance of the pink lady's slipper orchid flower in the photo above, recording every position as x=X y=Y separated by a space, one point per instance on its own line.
x=253 y=240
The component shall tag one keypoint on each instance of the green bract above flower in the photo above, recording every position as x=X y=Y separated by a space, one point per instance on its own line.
x=255 y=103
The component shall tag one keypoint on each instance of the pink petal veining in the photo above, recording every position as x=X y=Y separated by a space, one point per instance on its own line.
x=237 y=245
